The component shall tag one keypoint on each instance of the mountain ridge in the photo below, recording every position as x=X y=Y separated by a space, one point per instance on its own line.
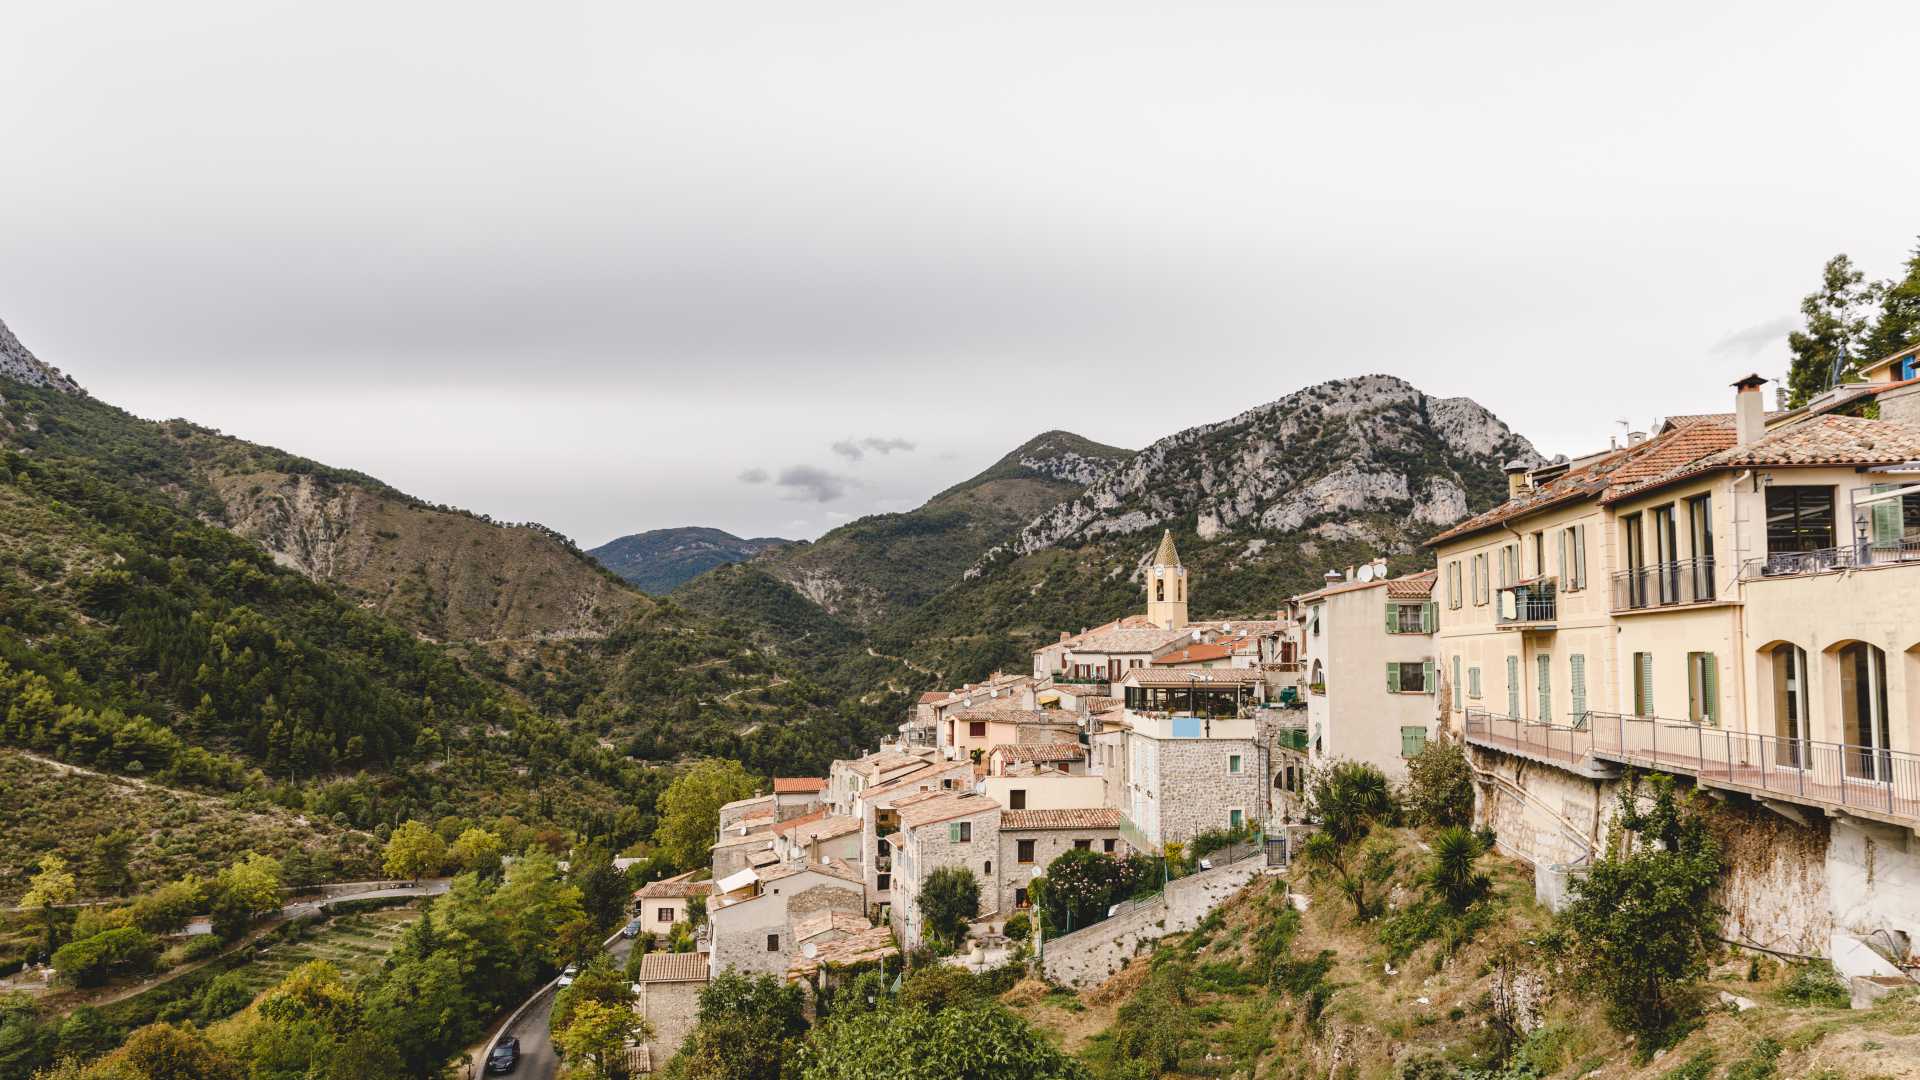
x=659 y=560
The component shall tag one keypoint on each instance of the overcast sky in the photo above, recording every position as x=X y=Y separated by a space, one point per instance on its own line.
x=768 y=266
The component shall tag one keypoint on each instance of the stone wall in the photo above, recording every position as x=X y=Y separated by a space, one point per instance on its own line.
x=672 y=1008
x=928 y=849
x=1197 y=791
x=1048 y=845
x=826 y=897
x=1088 y=956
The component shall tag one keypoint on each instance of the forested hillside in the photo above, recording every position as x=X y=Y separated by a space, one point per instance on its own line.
x=658 y=560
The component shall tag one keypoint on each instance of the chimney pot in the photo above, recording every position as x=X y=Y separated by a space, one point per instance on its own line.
x=1749 y=411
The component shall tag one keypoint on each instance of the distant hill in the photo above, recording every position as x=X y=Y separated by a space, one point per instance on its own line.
x=658 y=560
x=879 y=566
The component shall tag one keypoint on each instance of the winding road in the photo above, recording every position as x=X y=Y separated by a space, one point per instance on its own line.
x=538 y=1061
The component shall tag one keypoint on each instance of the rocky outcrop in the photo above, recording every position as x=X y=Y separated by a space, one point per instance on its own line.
x=1369 y=445
x=20 y=365
x=447 y=575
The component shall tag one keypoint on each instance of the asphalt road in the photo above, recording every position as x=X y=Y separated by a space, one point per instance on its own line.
x=538 y=1061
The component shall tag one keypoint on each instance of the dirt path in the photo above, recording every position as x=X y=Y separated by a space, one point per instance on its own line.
x=778 y=681
x=904 y=662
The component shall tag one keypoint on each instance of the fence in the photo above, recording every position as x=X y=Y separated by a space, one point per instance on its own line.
x=1847 y=775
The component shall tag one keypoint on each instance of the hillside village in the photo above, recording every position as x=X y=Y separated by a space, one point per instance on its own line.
x=1725 y=599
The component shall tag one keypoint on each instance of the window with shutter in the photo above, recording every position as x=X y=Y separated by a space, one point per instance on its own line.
x=1577 y=686
x=1544 y=664
x=1579 y=556
x=1429 y=617
x=1642 y=684
x=1513 y=686
x=1703 y=689
x=1457 y=688
x=1473 y=682
x=1393 y=618
x=1426 y=677
x=1412 y=741
x=1393 y=678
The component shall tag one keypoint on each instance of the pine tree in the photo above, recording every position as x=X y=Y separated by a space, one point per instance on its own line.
x=1837 y=319
x=1897 y=325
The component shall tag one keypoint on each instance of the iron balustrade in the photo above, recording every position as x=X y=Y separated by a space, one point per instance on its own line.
x=1529 y=602
x=1827 y=560
x=1681 y=581
x=1849 y=775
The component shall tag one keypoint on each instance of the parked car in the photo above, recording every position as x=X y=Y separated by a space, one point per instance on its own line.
x=632 y=929
x=505 y=1055
x=566 y=977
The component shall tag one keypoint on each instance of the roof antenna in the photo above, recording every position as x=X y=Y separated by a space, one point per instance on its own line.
x=1614 y=441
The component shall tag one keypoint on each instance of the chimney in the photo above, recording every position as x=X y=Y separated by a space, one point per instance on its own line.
x=1516 y=471
x=1349 y=573
x=1635 y=438
x=1332 y=578
x=1749 y=411
x=1780 y=398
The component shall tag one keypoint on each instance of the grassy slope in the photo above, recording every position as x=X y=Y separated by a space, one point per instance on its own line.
x=1373 y=1021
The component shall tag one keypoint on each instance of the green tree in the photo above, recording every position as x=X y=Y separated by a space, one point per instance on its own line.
x=603 y=890
x=689 y=809
x=89 y=961
x=1440 y=785
x=537 y=910
x=1077 y=889
x=112 y=862
x=167 y=1052
x=1452 y=872
x=975 y=1042
x=244 y=892
x=422 y=1010
x=1642 y=925
x=1347 y=799
x=414 y=851
x=1837 y=317
x=478 y=851
x=1897 y=324
x=25 y=1043
x=596 y=1033
x=599 y=980
x=86 y=1034
x=46 y=892
x=949 y=902
x=167 y=909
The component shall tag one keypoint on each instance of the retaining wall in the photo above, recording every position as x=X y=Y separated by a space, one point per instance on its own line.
x=1088 y=956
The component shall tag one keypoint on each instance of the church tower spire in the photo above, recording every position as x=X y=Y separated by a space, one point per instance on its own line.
x=1167 y=586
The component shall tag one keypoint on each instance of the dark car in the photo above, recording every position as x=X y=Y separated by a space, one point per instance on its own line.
x=504 y=1055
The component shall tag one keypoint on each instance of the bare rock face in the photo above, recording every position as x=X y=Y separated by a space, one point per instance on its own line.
x=22 y=366
x=1373 y=447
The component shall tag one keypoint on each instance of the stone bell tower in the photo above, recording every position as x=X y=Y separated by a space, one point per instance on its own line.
x=1167 y=587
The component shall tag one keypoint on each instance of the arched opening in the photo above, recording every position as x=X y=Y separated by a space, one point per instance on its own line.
x=1861 y=689
x=1318 y=679
x=1784 y=685
x=1160 y=588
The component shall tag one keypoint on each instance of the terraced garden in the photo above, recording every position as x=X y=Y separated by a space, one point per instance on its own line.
x=353 y=943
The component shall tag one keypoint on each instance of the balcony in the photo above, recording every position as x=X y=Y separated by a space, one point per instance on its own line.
x=1835 y=777
x=1667 y=584
x=1891 y=552
x=1530 y=605
x=1293 y=739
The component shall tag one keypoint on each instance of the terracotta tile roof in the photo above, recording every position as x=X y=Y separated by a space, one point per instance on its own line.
x=1127 y=640
x=1412 y=586
x=820 y=922
x=1041 y=753
x=1342 y=587
x=884 y=761
x=1819 y=440
x=733 y=840
x=1196 y=654
x=932 y=696
x=757 y=799
x=859 y=947
x=945 y=806
x=789 y=869
x=673 y=967
x=824 y=829
x=793 y=823
x=673 y=888
x=1083 y=818
x=798 y=785
x=1148 y=676
x=910 y=782
x=1017 y=716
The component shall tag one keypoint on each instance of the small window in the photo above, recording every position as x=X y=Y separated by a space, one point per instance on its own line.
x=1413 y=739
x=1412 y=677
x=1233 y=764
x=1236 y=818
x=773 y=942
x=883 y=882
x=1703 y=689
x=1024 y=852
x=986 y=868
x=1643 y=684
x=960 y=832
x=1017 y=799
x=664 y=915
x=1019 y=898
x=1473 y=683
x=1107 y=846
x=1083 y=845
x=976 y=729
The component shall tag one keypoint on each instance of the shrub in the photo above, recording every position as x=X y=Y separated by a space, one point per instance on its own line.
x=949 y=901
x=1019 y=927
x=1816 y=984
x=91 y=960
x=223 y=997
x=1439 y=789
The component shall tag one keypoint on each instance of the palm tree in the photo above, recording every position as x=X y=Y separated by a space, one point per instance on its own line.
x=1451 y=875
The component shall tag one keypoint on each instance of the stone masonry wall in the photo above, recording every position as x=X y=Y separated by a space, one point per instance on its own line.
x=1197 y=791
x=1088 y=956
x=672 y=1008
x=930 y=850
x=1048 y=845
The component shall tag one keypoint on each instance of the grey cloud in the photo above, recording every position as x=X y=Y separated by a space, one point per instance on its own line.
x=887 y=446
x=753 y=476
x=1752 y=339
x=813 y=484
x=849 y=449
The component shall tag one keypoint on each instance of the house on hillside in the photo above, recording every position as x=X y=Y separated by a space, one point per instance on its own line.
x=938 y=830
x=752 y=914
x=1372 y=682
x=1187 y=754
x=660 y=904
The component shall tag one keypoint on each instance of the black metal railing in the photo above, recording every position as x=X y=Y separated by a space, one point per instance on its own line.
x=1827 y=560
x=1530 y=602
x=1803 y=770
x=1681 y=581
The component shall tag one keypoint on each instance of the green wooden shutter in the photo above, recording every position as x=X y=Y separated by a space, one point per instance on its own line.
x=1643 y=693
x=1393 y=617
x=1473 y=682
x=1710 y=688
x=1544 y=663
x=1513 y=686
x=1429 y=617
x=1577 y=686
x=1426 y=675
x=1456 y=682
x=1393 y=678
x=1886 y=518
x=1696 y=705
x=1580 y=556
x=1412 y=741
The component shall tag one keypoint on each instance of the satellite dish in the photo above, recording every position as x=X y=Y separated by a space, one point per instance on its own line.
x=810 y=950
x=1366 y=572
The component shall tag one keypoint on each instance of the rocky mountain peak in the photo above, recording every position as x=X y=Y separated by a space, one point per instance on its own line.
x=20 y=365
x=1313 y=460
